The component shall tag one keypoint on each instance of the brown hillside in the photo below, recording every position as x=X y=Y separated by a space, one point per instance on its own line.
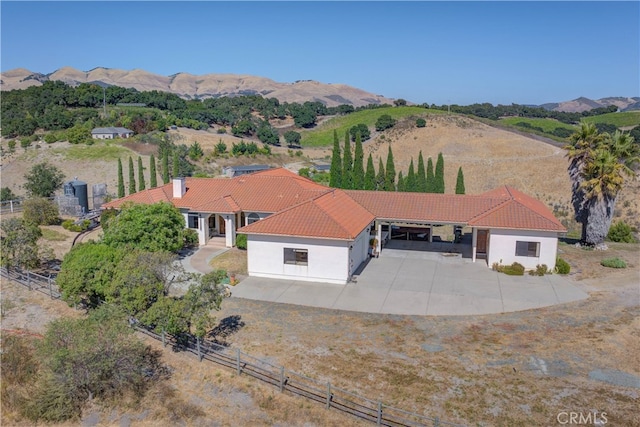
x=204 y=86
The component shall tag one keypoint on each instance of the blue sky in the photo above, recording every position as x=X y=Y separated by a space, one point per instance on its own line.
x=435 y=52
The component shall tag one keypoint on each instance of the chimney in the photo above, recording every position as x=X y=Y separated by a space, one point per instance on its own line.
x=179 y=188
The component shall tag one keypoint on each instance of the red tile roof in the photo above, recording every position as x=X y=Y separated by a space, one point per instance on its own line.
x=333 y=215
x=305 y=208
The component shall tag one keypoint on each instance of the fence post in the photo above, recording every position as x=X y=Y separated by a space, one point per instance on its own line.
x=436 y=422
x=49 y=283
x=328 y=395
x=11 y=204
x=29 y=280
x=379 y=413
x=238 y=361
x=281 y=379
x=199 y=352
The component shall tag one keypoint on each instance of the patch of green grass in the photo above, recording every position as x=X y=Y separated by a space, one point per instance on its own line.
x=623 y=119
x=323 y=135
x=53 y=235
x=613 y=263
x=547 y=125
x=99 y=151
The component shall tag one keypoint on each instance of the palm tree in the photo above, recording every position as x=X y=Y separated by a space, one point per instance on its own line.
x=597 y=168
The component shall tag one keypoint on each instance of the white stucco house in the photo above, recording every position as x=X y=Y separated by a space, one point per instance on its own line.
x=300 y=230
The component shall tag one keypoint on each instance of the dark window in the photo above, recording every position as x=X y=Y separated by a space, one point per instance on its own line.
x=193 y=220
x=253 y=217
x=296 y=256
x=531 y=249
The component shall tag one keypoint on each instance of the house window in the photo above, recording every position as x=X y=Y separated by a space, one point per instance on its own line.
x=253 y=217
x=296 y=256
x=530 y=249
x=193 y=221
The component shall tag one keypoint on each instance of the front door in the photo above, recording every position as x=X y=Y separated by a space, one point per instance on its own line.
x=481 y=242
x=222 y=225
x=212 y=225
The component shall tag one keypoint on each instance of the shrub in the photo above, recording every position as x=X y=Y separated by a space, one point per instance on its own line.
x=562 y=266
x=621 y=232
x=105 y=216
x=540 y=270
x=241 y=241
x=421 y=122
x=191 y=238
x=514 y=269
x=40 y=211
x=70 y=225
x=613 y=263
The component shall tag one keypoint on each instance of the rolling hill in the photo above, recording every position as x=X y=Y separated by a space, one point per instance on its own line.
x=191 y=86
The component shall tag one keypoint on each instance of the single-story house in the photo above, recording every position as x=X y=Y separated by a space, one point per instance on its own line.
x=300 y=230
x=111 y=133
x=233 y=171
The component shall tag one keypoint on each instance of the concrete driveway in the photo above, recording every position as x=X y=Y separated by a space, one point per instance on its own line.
x=420 y=283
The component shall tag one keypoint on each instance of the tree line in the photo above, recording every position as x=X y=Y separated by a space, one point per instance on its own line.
x=348 y=171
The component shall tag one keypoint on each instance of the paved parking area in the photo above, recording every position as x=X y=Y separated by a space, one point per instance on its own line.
x=411 y=282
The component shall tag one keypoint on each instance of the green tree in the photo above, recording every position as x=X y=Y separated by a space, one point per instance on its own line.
x=175 y=173
x=292 y=138
x=401 y=186
x=439 y=175
x=390 y=175
x=384 y=122
x=153 y=178
x=40 y=211
x=19 y=244
x=421 y=122
x=335 y=180
x=362 y=129
x=358 y=165
x=156 y=227
x=43 y=180
x=430 y=177
x=87 y=272
x=421 y=178
x=460 y=182
x=132 y=178
x=380 y=176
x=195 y=151
x=165 y=166
x=79 y=134
x=120 y=180
x=267 y=134
x=370 y=175
x=411 y=184
x=221 y=147
x=141 y=184
x=7 y=194
x=347 y=164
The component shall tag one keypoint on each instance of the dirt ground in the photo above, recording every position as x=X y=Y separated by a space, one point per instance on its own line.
x=509 y=369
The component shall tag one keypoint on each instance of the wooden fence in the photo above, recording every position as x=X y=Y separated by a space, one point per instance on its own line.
x=286 y=381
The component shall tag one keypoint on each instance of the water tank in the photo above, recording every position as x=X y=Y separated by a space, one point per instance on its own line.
x=78 y=189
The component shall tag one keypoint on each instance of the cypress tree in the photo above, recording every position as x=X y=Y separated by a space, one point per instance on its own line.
x=380 y=176
x=141 y=184
x=358 y=165
x=165 y=166
x=153 y=179
x=370 y=175
x=176 y=165
x=421 y=179
x=132 y=177
x=120 y=180
x=430 y=176
x=439 y=175
x=390 y=175
x=410 y=181
x=347 y=164
x=460 y=182
x=401 y=187
x=335 y=180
